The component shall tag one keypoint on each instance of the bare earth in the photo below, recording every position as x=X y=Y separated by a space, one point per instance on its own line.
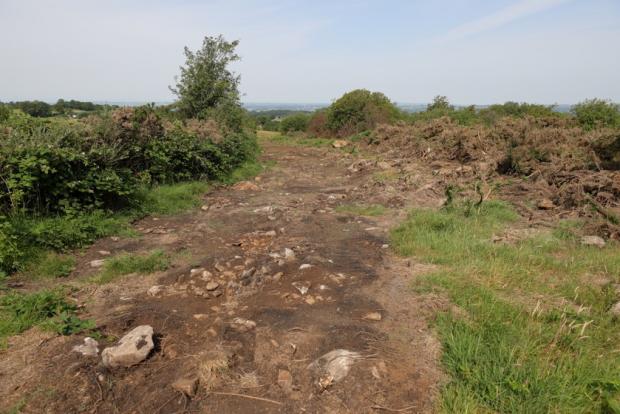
x=239 y=236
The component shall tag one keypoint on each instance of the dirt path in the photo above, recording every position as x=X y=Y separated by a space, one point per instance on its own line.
x=240 y=237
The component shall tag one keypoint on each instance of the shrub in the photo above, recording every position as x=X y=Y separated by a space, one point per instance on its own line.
x=295 y=123
x=102 y=164
x=358 y=111
x=597 y=113
x=5 y=112
x=317 y=124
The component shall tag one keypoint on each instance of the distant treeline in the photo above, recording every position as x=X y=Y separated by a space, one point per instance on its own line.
x=361 y=110
x=42 y=109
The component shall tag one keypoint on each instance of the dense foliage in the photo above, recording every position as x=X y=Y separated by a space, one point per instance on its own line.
x=358 y=111
x=295 y=123
x=596 y=113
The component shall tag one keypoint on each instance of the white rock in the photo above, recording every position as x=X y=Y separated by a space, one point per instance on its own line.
x=593 y=241
x=104 y=252
x=97 y=263
x=289 y=255
x=302 y=287
x=334 y=366
x=90 y=347
x=305 y=266
x=156 y=290
x=132 y=349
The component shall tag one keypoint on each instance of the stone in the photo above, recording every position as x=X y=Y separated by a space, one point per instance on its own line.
x=200 y=316
x=310 y=300
x=277 y=276
x=246 y=186
x=289 y=254
x=196 y=270
x=545 y=204
x=206 y=275
x=156 y=290
x=132 y=348
x=243 y=325
x=104 y=252
x=97 y=263
x=340 y=143
x=212 y=286
x=615 y=310
x=205 y=207
x=593 y=241
x=302 y=287
x=373 y=316
x=285 y=380
x=384 y=165
x=90 y=347
x=187 y=386
x=333 y=367
x=115 y=238
x=305 y=266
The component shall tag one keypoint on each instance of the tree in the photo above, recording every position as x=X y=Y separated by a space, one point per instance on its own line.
x=5 y=112
x=358 y=111
x=596 y=113
x=206 y=83
x=440 y=103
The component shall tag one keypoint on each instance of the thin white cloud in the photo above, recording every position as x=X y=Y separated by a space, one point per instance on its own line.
x=500 y=18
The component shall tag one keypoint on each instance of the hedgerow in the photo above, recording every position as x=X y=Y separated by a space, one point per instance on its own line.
x=55 y=172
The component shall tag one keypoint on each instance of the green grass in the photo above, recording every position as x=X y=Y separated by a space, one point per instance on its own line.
x=175 y=198
x=362 y=210
x=52 y=265
x=47 y=308
x=297 y=141
x=125 y=264
x=534 y=334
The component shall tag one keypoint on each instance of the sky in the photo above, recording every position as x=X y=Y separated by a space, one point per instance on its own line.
x=472 y=51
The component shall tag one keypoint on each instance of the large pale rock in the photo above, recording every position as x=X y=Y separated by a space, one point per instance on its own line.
x=340 y=143
x=132 y=349
x=593 y=241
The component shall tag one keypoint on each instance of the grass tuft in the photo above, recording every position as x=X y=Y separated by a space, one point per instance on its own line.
x=362 y=210
x=133 y=263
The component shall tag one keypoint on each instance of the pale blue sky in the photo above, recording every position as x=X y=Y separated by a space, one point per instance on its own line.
x=473 y=51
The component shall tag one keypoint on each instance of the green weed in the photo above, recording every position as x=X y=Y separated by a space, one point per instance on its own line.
x=362 y=210
x=47 y=308
x=133 y=263
x=51 y=265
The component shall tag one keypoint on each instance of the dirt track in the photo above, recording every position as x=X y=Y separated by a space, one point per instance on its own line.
x=351 y=274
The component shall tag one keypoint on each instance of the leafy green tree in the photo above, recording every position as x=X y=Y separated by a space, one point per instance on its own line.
x=295 y=123
x=440 y=103
x=206 y=82
x=5 y=112
x=358 y=111
x=36 y=108
x=596 y=113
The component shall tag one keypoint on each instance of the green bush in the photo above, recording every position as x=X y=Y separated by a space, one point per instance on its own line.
x=597 y=113
x=5 y=112
x=295 y=123
x=358 y=111
x=67 y=168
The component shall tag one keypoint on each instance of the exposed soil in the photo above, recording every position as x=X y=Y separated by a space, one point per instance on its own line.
x=239 y=236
